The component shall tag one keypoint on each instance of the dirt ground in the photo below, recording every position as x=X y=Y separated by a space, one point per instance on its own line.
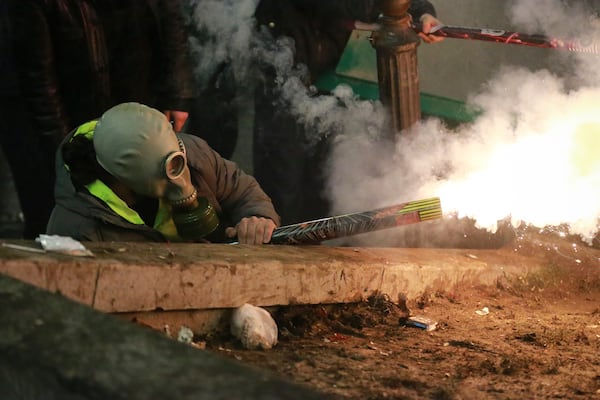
x=527 y=337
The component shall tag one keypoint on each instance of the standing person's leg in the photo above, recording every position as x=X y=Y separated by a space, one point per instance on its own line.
x=11 y=222
x=315 y=203
x=289 y=167
x=32 y=164
x=214 y=116
x=279 y=160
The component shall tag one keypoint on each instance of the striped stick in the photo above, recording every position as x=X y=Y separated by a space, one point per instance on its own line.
x=312 y=232
x=508 y=37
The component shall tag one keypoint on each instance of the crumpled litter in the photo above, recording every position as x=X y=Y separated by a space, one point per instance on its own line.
x=64 y=245
x=254 y=327
x=483 y=311
x=422 y=322
x=185 y=335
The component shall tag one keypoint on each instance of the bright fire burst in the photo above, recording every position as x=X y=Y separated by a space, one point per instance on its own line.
x=546 y=178
x=532 y=157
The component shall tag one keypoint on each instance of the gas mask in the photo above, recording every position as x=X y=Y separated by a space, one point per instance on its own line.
x=136 y=144
x=194 y=216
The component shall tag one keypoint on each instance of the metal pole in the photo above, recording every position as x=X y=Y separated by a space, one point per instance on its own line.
x=398 y=75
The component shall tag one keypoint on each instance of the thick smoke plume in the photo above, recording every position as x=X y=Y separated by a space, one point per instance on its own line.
x=531 y=156
x=222 y=31
x=225 y=32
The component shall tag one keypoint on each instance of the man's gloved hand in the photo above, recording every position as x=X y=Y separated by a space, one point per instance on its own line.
x=429 y=22
x=252 y=230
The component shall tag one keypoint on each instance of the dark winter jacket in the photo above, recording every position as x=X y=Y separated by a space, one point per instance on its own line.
x=319 y=28
x=77 y=58
x=8 y=78
x=233 y=194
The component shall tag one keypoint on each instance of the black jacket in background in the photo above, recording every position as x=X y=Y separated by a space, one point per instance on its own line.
x=319 y=27
x=77 y=58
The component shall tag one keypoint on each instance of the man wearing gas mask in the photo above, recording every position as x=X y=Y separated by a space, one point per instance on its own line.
x=128 y=177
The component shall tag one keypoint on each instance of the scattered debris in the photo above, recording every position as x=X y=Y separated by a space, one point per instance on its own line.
x=533 y=339
x=254 y=327
x=24 y=248
x=185 y=335
x=167 y=331
x=111 y=250
x=483 y=311
x=469 y=345
x=421 y=322
x=170 y=253
x=199 y=345
x=371 y=346
x=336 y=337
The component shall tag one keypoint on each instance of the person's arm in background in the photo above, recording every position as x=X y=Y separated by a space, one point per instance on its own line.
x=369 y=10
x=334 y=13
x=424 y=11
x=34 y=54
x=179 y=84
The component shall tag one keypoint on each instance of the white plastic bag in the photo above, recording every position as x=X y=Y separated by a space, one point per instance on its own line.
x=185 y=335
x=63 y=244
x=254 y=327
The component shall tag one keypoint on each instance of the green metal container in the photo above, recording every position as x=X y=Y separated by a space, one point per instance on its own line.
x=358 y=69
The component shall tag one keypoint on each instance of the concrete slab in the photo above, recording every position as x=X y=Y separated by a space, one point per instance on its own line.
x=72 y=279
x=143 y=277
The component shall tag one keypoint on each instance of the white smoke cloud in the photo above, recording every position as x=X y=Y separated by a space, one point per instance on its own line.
x=529 y=157
x=552 y=17
x=532 y=157
x=222 y=33
x=536 y=168
x=566 y=20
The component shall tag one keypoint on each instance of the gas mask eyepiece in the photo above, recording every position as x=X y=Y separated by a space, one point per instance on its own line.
x=175 y=165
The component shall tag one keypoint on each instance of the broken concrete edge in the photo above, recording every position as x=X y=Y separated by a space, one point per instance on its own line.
x=207 y=277
x=55 y=348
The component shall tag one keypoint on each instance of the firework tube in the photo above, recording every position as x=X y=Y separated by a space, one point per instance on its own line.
x=494 y=35
x=316 y=231
x=509 y=37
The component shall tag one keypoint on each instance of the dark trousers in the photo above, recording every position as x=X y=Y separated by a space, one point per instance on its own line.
x=289 y=165
x=214 y=113
x=31 y=159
